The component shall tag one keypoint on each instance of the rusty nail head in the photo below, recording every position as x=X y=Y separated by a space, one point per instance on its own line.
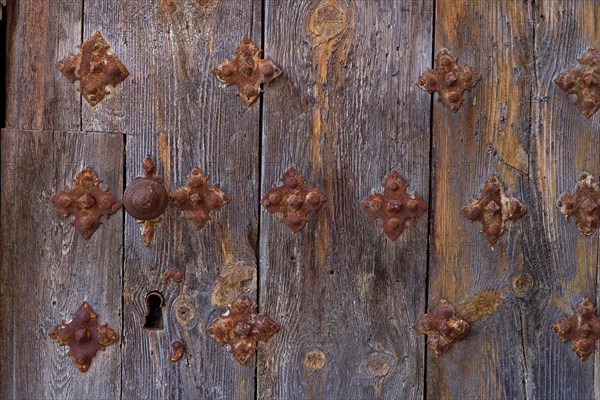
x=172 y=273
x=442 y=327
x=493 y=209
x=240 y=328
x=84 y=336
x=87 y=202
x=293 y=200
x=583 y=82
x=394 y=206
x=197 y=199
x=448 y=79
x=95 y=67
x=247 y=71
x=583 y=203
x=583 y=328
x=178 y=348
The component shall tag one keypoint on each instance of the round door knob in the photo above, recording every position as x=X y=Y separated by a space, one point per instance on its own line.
x=146 y=198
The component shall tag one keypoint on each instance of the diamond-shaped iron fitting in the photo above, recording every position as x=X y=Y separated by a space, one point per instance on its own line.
x=87 y=202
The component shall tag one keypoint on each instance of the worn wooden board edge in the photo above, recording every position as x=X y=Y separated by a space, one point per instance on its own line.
x=53 y=158
x=302 y=265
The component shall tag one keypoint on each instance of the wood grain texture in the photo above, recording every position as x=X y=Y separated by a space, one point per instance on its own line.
x=488 y=135
x=48 y=269
x=40 y=33
x=173 y=108
x=345 y=113
x=563 y=262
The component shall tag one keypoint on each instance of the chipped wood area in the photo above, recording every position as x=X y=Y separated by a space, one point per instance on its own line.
x=345 y=111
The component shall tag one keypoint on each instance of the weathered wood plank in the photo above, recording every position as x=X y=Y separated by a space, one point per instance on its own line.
x=48 y=269
x=40 y=33
x=488 y=135
x=173 y=108
x=345 y=113
x=562 y=261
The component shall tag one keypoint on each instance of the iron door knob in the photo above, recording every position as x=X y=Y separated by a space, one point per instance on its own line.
x=146 y=198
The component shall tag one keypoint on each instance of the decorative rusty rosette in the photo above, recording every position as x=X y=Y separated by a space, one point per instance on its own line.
x=87 y=202
x=84 y=336
x=442 y=327
x=294 y=201
x=197 y=199
x=394 y=206
x=582 y=203
x=240 y=328
x=448 y=79
x=96 y=68
x=247 y=71
x=493 y=209
x=583 y=82
x=582 y=328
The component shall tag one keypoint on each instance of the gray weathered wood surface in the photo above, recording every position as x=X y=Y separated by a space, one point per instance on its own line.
x=345 y=112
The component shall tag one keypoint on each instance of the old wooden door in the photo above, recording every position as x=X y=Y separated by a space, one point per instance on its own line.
x=345 y=112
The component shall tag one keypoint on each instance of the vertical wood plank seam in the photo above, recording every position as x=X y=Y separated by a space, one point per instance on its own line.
x=532 y=93
x=81 y=41
x=121 y=342
x=430 y=199
x=259 y=181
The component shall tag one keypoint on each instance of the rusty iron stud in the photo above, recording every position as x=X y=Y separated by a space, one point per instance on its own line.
x=583 y=328
x=96 y=68
x=293 y=200
x=247 y=71
x=448 y=79
x=197 y=199
x=493 y=209
x=442 y=327
x=146 y=199
x=178 y=349
x=84 y=336
x=394 y=206
x=240 y=328
x=583 y=203
x=87 y=202
x=583 y=82
x=172 y=273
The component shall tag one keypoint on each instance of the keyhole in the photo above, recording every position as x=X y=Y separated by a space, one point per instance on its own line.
x=154 y=303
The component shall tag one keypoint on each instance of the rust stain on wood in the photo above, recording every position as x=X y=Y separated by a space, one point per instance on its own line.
x=168 y=6
x=480 y=305
x=207 y=3
x=234 y=279
x=327 y=21
x=164 y=151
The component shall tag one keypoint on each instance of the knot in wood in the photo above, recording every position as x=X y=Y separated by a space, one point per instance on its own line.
x=87 y=202
x=583 y=82
x=197 y=199
x=442 y=327
x=394 y=206
x=240 y=328
x=493 y=209
x=448 y=79
x=583 y=328
x=247 y=71
x=293 y=200
x=582 y=203
x=95 y=67
x=84 y=336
